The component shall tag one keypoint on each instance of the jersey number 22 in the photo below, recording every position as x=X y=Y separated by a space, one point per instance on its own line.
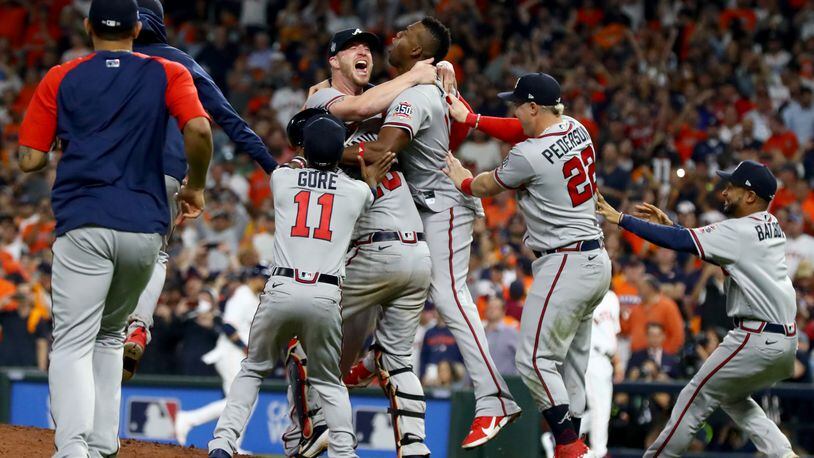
x=301 y=229
x=580 y=171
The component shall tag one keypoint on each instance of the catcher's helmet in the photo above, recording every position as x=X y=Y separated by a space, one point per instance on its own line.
x=295 y=125
x=323 y=141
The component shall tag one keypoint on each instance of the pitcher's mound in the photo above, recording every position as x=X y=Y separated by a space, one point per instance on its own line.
x=36 y=442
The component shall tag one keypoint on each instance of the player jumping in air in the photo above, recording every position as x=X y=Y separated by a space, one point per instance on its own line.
x=553 y=173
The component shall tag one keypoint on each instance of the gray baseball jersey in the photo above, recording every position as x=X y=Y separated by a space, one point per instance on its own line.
x=393 y=209
x=315 y=212
x=422 y=112
x=751 y=251
x=448 y=217
x=556 y=179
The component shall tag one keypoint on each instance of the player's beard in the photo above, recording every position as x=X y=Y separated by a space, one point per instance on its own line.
x=731 y=207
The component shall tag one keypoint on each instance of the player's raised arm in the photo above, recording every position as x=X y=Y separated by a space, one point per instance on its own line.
x=674 y=237
x=376 y=99
x=184 y=105
x=508 y=130
x=236 y=128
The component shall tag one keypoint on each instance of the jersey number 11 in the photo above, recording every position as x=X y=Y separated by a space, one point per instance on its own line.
x=301 y=229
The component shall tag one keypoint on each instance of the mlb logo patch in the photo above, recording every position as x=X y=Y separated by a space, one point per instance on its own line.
x=404 y=110
x=374 y=428
x=151 y=418
x=112 y=63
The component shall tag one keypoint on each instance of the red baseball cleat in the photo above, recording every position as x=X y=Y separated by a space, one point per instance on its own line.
x=134 y=347
x=359 y=376
x=484 y=429
x=576 y=449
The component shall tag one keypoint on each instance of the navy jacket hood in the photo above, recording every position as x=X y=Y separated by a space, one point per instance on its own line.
x=152 y=28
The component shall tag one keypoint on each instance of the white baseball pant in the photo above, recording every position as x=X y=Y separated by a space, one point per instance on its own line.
x=98 y=274
x=744 y=362
x=449 y=236
x=555 y=328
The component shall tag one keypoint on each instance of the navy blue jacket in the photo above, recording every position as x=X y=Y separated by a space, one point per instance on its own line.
x=153 y=41
x=111 y=108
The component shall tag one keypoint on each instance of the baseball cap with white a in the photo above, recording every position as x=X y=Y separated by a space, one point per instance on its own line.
x=113 y=15
x=540 y=88
x=344 y=38
x=753 y=176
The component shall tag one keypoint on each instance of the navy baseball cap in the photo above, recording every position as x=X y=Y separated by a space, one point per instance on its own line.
x=323 y=140
x=754 y=177
x=113 y=15
x=540 y=88
x=344 y=38
x=294 y=128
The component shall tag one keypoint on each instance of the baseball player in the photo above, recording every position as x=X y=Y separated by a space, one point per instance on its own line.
x=599 y=376
x=389 y=264
x=750 y=248
x=315 y=209
x=417 y=127
x=110 y=108
x=230 y=348
x=152 y=41
x=553 y=172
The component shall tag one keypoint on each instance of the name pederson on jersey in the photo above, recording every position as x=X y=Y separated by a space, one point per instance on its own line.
x=393 y=209
x=752 y=252
x=315 y=212
x=422 y=112
x=556 y=180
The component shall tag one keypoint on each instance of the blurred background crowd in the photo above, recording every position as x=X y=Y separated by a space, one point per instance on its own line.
x=671 y=91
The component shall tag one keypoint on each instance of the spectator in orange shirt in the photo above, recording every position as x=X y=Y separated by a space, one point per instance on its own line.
x=655 y=308
x=782 y=141
x=787 y=192
x=499 y=209
x=624 y=285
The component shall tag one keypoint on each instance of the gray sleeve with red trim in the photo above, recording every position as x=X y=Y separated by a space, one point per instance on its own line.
x=720 y=242
x=515 y=171
x=410 y=111
x=324 y=98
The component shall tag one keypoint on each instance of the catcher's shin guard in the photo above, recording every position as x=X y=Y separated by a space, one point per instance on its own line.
x=407 y=402
x=296 y=366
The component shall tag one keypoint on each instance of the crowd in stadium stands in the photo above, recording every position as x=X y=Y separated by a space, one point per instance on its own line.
x=671 y=91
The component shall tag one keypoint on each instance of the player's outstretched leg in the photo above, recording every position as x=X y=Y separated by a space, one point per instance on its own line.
x=763 y=432
x=741 y=364
x=449 y=236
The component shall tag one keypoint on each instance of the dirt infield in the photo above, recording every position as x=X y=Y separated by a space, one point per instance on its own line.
x=19 y=441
